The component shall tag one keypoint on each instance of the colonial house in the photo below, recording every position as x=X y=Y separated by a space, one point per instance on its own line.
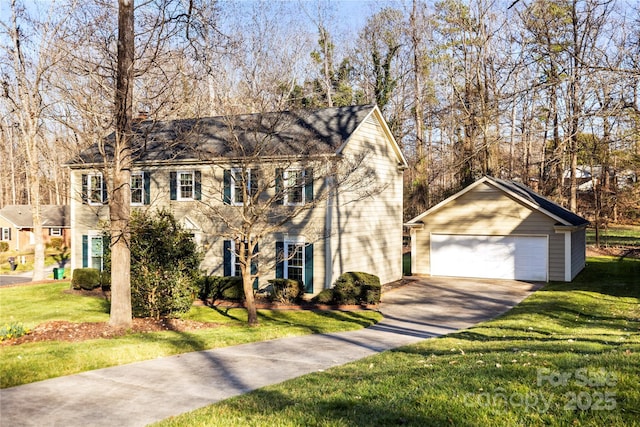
x=16 y=225
x=322 y=190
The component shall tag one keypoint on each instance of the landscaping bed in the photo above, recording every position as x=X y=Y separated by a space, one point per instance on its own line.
x=62 y=330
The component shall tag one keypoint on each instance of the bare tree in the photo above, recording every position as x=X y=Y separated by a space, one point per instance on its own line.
x=27 y=70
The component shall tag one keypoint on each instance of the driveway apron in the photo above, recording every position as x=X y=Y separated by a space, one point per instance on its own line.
x=140 y=393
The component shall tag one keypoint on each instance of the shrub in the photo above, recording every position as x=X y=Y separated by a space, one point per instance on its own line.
x=156 y=293
x=56 y=243
x=285 y=291
x=324 y=297
x=13 y=330
x=4 y=246
x=219 y=287
x=85 y=278
x=230 y=288
x=105 y=281
x=357 y=288
x=164 y=265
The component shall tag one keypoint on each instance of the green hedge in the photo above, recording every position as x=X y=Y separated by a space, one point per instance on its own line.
x=4 y=246
x=86 y=278
x=357 y=288
x=324 y=297
x=286 y=291
x=219 y=287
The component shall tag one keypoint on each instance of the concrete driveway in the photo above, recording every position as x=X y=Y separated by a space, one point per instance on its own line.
x=140 y=393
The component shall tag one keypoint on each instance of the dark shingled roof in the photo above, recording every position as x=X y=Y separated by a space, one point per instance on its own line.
x=546 y=204
x=52 y=215
x=299 y=132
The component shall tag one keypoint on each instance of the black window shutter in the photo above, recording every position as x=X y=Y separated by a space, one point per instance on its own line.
x=308 y=269
x=85 y=251
x=104 y=189
x=85 y=191
x=226 y=256
x=279 y=260
x=308 y=187
x=226 y=191
x=279 y=186
x=173 y=185
x=197 y=176
x=254 y=266
x=146 y=176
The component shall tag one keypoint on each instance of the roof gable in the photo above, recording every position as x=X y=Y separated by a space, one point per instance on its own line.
x=285 y=133
x=522 y=194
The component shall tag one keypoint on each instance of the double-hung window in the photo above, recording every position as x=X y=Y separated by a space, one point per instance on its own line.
x=241 y=184
x=294 y=261
x=294 y=186
x=186 y=185
x=137 y=188
x=6 y=233
x=238 y=184
x=55 y=231
x=95 y=188
x=294 y=181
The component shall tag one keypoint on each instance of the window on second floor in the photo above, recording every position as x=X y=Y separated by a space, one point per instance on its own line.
x=237 y=183
x=137 y=188
x=93 y=189
x=55 y=231
x=6 y=233
x=295 y=186
x=185 y=185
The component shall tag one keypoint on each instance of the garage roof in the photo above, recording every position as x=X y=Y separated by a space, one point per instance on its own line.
x=520 y=193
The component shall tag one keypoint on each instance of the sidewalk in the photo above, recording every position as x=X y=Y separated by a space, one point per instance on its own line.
x=141 y=393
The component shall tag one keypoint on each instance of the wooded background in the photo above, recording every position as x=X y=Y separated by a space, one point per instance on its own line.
x=532 y=90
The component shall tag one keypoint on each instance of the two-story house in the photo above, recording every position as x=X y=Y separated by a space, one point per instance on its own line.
x=321 y=190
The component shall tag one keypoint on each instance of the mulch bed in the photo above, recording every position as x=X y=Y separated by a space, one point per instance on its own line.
x=60 y=330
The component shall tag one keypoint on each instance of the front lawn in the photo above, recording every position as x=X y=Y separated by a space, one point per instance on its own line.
x=32 y=305
x=567 y=355
x=616 y=235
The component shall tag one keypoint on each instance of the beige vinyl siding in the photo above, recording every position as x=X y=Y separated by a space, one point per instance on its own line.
x=486 y=210
x=368 y=231
x=578 y=251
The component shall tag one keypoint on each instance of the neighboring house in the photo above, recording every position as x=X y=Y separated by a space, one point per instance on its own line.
x=16 y=225
x=585 y=176
x=194 y=167
x=498 y=229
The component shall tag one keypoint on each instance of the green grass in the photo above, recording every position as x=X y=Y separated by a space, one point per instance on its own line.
x=32 y=305
x=503 y=372
x=52 y=259
x=616 y=235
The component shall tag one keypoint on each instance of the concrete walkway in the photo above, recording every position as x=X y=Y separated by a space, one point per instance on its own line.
x=141 y=393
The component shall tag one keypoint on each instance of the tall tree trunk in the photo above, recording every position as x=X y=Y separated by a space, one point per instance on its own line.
x=29 y=103
x=119 y=205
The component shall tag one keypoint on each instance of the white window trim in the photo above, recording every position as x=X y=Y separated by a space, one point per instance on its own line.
x=287 y=255
x=288 y=188
x=5 y=234
x=140 y=174
x=179 y=189
x=91 y=234
x=232 y=190
x=90 y=190
x=55 y=232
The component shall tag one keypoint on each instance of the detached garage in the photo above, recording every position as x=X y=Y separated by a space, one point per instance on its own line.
x=498 y=229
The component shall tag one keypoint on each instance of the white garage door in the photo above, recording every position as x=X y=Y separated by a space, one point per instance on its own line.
x=492 y=257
